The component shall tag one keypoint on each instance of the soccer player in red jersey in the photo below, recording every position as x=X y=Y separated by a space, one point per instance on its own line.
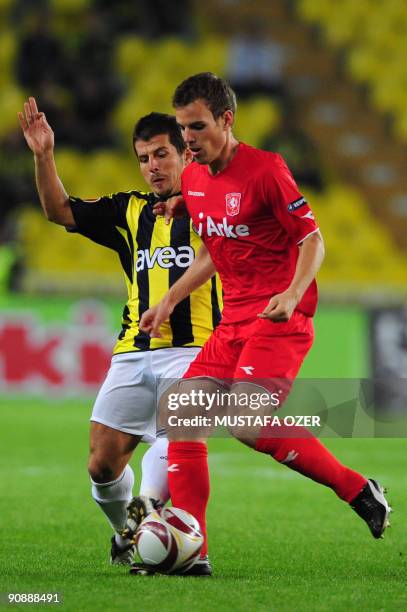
x=261 y=236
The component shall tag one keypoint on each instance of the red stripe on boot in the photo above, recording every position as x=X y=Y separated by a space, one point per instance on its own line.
x=188 y=480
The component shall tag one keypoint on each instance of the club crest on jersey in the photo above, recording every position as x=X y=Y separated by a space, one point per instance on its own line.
x=233 y=203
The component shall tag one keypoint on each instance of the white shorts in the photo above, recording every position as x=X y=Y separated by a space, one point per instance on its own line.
x=129 y=396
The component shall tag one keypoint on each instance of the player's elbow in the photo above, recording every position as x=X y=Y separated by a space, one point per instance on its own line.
x=50 y=209
x=54 y=218
x=61 y=215
x=315 y=241
x=50 y=215
x=321 y=246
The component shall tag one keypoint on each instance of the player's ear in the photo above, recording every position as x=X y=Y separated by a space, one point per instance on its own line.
x=228 y=119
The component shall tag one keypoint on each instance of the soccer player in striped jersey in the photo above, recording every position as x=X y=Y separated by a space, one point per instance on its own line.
x=153 y=255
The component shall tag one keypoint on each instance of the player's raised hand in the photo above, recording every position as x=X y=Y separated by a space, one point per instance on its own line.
x=154 y=317
x=280 y=307
x=173 y=208
x=37 y=132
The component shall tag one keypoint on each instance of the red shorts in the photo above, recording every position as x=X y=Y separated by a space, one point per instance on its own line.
x=258 y=348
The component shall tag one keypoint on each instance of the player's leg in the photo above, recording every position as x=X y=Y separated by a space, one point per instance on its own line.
x=124 y=411
x=279 y=355
x=188 y=473
x=154 y=470
x=112 y=480
x=187 y=463
x=168 y=366
x=153 y=492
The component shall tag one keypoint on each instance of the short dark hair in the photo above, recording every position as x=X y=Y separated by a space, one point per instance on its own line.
x=216 y=92
x=159 y=123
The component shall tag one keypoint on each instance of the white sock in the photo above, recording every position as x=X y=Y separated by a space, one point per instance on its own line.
x=154 y=467
x=113 y=497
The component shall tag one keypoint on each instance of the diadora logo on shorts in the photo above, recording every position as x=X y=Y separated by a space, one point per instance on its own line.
x=247 y=370
x=233 y=203
x=211 y=228
x=165 y=257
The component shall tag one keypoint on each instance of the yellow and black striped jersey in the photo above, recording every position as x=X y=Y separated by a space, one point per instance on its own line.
x=153 y=256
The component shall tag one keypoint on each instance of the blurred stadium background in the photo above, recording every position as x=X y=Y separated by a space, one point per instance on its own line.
x=323 y=83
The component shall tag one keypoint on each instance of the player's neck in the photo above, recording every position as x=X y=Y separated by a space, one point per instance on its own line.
x=166 y=196
x=227 y=154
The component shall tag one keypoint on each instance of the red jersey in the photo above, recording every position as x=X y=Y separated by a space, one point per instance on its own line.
x=251 y=218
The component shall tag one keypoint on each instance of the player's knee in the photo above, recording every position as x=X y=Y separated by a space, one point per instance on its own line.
x=241 y=432
x=246 y=437
x=234 y=431
x=100 y=470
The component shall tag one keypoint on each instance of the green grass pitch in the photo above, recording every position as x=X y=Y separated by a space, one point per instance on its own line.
x=277 y=540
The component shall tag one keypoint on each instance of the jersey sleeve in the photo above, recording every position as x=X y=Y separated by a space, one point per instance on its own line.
x=289 y=206
x=99 y=219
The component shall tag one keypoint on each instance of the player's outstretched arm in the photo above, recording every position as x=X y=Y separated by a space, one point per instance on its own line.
x=201 y=270
x=40 y=139
x=282 y=306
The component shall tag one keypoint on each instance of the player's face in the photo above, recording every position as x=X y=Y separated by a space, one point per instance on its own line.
x=205 y=136
x=160 y=163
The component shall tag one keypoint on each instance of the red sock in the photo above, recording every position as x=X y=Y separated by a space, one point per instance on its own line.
x=306 y=454
x=188 y=480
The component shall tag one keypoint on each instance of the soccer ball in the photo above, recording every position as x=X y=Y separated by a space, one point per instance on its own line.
x=169 y=540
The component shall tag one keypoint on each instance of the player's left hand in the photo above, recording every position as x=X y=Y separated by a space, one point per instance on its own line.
x=280 y=307
x=154 y=317
x=173 y=208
